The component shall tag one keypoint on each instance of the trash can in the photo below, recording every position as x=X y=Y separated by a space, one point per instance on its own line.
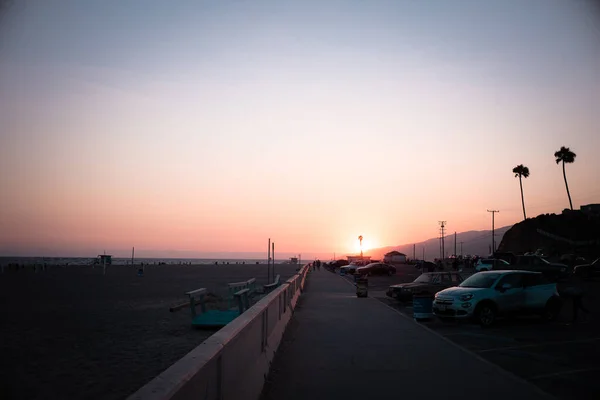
x=422 y=307
x=362 y=287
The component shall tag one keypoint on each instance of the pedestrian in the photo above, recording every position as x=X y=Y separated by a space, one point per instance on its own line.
x=573 y=289
x=319 y=265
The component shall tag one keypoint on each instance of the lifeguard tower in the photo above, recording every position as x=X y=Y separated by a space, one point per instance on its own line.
x=104 y=259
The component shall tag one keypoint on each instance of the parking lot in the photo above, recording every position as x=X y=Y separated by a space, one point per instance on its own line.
x=560 y=358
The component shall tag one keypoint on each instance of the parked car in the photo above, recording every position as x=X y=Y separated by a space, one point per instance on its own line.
x=377 y=268
x=351 y=268
x=426 y=266
x=487 y=264
x=487 y=295
x=427 y=283
x=338 y=264
x=553 y=271
x=590 y=270
x=510 y=258
x=572 y=259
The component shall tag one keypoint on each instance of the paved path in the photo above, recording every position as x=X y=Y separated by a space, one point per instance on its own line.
x=338 y=346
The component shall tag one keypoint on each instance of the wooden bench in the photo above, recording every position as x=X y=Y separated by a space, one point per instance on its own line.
x=272 y=286
x=209 y=319
x=235 y=287
x=197 y=297
x=242 y=299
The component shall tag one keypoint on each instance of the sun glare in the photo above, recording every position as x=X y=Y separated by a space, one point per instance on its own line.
x=366 y=246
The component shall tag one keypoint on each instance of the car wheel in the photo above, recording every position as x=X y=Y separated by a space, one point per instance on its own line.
x=390 y=272
x=552 y=310
x=485 y=315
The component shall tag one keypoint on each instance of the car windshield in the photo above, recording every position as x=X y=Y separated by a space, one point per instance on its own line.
x=480 y=281
x=487 y=261
x=544 y=260
x=424 y=278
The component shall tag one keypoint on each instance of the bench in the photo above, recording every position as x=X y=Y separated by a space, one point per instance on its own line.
x=209 y=319
x=197 y=297
x=271 y=286
x=235 y=287
x=243 y=299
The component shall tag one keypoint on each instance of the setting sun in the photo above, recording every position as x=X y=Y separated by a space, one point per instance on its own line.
x=367 y=244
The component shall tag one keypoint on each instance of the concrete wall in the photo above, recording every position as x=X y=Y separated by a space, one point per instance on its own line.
x=234 y=362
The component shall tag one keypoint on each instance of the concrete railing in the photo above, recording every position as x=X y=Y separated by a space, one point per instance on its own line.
x=234 y=362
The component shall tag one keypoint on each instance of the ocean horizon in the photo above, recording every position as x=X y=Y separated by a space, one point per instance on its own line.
x=137 y=261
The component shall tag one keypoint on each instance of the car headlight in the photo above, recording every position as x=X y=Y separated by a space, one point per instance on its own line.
x=466 y=297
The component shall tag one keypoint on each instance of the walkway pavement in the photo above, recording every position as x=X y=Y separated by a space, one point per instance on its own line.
x=338 y=346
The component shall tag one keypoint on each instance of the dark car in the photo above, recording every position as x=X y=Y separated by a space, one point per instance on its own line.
x=427 y=283
x=552 y=271
x=376 y=269
x=426 y=266
x=337 y=264
x=590 y=270
x=510 y=258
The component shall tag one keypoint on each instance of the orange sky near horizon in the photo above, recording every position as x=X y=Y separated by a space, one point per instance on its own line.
x=211 y=129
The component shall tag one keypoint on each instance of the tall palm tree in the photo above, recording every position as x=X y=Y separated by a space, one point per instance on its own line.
x=565 y=155
x=521 y=171
x=360 y=238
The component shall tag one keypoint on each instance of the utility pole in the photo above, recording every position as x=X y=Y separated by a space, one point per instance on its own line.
x=414 y=250
x=269 y=261
x=493 y=235
x=461 y=253
x=442 y=231
x=455 y=255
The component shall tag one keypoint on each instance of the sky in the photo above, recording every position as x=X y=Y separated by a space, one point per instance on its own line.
x=211 y=126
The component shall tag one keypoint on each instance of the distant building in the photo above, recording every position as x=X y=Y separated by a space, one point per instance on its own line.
x=394 y=257
x=591 y=209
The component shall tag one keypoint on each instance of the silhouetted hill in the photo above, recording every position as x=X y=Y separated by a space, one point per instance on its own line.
x=474 y=242
x=572 y=232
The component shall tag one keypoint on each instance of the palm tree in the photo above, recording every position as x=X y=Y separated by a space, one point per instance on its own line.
x=522 y=172
x=360 y=238
x=565 y=155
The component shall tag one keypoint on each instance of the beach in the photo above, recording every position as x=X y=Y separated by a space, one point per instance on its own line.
x=72 y=332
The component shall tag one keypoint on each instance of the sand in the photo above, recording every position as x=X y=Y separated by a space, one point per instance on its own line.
x=75 y=333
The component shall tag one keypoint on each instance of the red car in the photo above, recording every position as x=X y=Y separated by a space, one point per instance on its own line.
x=376 y=269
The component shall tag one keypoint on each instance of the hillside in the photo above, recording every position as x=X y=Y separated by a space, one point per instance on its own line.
x=474 y=242
x=569 y=232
